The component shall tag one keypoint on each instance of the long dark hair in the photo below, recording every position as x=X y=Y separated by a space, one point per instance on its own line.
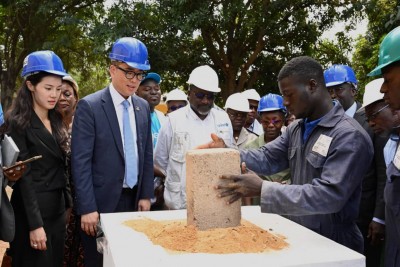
x=18 y=117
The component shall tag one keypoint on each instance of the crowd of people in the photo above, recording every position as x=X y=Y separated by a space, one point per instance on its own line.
x=313 y=153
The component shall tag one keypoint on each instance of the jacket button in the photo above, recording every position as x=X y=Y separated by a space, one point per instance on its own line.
x=47 y=184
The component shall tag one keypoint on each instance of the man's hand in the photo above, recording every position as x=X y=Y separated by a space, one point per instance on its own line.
x=248 y=184
x=14 y=173
x=376 y=232
x=215 y=143
x=89 y=223
x=144 y=205
x=38 y=239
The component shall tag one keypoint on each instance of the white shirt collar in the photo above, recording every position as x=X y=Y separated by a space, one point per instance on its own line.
x=352 y=110
x=116 y=97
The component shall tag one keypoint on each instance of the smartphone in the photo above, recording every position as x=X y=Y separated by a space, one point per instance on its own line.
x=22 y=162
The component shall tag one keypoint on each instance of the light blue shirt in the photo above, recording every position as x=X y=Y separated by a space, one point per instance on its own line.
x=155 y=127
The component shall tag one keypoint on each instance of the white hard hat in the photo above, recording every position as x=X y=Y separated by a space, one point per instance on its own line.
x=237 y=102
x=176 y=94
x=372 y=92
x=252 y=94
x=205 y=78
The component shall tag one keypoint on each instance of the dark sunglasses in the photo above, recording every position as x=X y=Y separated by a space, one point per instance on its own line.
x=173 y=108
x=210 y=96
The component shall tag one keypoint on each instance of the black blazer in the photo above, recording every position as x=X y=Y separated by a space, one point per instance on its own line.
x=39 y=193
x=372 y=203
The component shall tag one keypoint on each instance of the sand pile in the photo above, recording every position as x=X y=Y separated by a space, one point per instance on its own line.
x=177 y=236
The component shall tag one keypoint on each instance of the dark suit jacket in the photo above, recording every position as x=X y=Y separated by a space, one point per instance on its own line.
x=7 y=221
x=372 y=202
x=98 y=165
x=38 y=194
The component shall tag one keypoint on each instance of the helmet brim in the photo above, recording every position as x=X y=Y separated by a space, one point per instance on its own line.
x=213 y=90
x=334 y=83
x=378 y=70
x=138 y=66
x=271 y=109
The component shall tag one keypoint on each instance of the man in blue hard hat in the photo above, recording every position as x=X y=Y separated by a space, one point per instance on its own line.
x=342 y=84
x=389 y=68
x=112 y=153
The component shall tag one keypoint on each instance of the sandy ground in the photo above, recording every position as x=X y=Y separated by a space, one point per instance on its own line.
x=4 y=245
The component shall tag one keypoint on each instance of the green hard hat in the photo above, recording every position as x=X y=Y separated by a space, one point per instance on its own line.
x=389 y=51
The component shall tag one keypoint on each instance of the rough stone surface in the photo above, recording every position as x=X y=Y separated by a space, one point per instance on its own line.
x=203 y=169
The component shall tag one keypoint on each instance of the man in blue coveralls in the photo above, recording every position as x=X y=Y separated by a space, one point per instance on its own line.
x=323 y=150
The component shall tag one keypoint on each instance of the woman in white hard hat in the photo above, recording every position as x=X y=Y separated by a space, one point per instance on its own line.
x=237 y=108
x=176 y=99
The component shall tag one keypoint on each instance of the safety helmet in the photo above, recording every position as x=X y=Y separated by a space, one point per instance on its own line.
x=251 y=94
x=237 y=102
x=176 y=94
x=372 y=92
x=338 y=74
x=152 y=76
x=205 y=78
x=388 y=51
x=46 y=61
x=131 y=51
x=271 y=102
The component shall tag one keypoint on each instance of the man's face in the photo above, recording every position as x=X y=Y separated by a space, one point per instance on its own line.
x=200 y=100
x=150 y=91
x=124 y=86
x=295 y=97
x=238 y=118
x=251 y=116
x=380 y=117
x=272 y=122
x=391 y=86
x=344 y=93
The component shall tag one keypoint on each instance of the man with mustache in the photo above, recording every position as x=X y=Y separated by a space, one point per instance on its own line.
x=187 y=128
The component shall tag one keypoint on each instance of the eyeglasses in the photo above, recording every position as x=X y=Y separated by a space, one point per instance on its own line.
x=237 y=114
x=210 y=96
x=268 y=122
x=131 y=74
x=173 y=108
x=375 y=114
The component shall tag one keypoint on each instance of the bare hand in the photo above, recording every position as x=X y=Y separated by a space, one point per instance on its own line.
x=89 y=223
x=235 y=187
x=215 y=143
x=376 y=232
x=14 y=173
x=38 y=239
x=144 y=205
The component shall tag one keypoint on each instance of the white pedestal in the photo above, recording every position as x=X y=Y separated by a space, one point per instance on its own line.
x=126 y=247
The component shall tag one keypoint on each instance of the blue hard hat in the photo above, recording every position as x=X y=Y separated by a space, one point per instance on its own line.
x=338 y=74
x=46 y=61
x=271 y=102
x=131 y=51
x=152 y=76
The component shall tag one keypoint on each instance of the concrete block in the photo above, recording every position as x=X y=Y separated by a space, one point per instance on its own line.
x=203 y=169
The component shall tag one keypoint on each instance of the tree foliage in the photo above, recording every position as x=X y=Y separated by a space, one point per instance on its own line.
x=30 y=25
x=246 y=42
x=383 y=16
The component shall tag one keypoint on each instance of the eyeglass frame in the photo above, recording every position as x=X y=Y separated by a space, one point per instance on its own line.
x=173 y=108
x=128 y=73
x=375 y=114
x=235 y=115
x=274 y=122
x=201 y=95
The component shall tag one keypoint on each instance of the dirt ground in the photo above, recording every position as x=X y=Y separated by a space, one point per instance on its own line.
x=4 y=245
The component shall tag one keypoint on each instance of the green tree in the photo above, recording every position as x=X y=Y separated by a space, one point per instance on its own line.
x=383 y=17
x=30 y=25
x=246 y=42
